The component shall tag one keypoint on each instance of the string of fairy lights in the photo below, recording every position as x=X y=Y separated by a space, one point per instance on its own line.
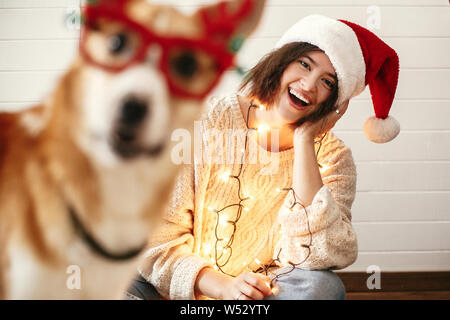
x=223 y=249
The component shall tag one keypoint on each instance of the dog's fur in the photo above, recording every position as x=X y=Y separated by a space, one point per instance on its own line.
x=58 y=155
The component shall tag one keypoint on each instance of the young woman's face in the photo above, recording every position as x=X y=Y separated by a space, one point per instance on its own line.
x=305 y=84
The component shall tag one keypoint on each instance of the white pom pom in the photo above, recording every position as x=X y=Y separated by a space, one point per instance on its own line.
x=381 y=130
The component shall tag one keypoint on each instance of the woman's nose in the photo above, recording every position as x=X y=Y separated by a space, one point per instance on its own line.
x=308 y=83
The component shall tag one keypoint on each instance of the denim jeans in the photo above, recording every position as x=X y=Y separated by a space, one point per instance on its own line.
x=295 y=285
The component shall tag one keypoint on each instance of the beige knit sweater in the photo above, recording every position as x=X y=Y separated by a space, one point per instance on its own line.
x=186 y=240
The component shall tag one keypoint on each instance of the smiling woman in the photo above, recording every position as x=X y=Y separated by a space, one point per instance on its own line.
x=239 y=231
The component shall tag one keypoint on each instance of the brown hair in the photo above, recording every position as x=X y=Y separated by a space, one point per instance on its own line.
x=263 y=81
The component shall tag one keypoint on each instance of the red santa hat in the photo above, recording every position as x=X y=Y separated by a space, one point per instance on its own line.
x=359 y=58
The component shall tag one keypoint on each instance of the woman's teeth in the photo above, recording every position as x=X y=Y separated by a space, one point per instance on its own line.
x=297 y=95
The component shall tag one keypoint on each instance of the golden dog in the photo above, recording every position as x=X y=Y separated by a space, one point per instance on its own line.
x=84 y=175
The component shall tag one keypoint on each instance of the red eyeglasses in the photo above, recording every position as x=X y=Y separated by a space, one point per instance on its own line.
x=113 y=41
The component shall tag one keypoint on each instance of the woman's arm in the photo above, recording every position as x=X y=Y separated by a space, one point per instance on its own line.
x=306 y=178
x=324 y=221
x=324 y=225
x=169 y=263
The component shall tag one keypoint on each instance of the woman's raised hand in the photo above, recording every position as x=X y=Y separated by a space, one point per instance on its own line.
x=310 y=130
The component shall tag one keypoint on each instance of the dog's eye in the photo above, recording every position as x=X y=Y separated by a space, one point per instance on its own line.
x=185 y=64
x=117 y=43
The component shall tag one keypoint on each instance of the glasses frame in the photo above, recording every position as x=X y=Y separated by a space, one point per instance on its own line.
x=218 y=50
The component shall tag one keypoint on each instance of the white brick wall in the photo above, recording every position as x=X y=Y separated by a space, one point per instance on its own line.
x=402 y=209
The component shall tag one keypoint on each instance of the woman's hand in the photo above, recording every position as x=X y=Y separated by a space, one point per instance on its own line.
x=310 y=130
x=247 y=286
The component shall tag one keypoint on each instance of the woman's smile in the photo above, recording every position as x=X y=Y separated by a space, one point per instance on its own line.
x=298 y=99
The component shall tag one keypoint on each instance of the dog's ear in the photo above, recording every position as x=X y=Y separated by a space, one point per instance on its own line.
x=232 y=21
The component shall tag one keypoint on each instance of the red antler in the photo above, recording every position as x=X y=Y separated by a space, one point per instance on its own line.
x=221 y=23
x=105 y=6
x=107 y=3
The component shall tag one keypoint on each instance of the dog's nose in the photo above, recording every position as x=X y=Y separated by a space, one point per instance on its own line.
x=133 y=112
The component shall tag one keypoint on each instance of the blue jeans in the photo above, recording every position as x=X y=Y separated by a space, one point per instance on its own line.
x=296 y=285
x=308 y=285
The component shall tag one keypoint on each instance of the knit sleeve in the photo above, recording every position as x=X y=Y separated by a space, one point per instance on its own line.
x=325 y=225
x=170 y=264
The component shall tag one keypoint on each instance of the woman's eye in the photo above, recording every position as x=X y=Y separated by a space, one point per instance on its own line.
x=117 y=43
x=185 y=65
x=304 y=64
x=329 y=83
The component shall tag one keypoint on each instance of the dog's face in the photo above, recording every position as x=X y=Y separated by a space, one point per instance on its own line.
x=99 y=168
x=148 y=67
x=142 y=73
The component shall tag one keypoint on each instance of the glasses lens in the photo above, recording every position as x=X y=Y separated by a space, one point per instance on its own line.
x=110 y=43
x=192 y=70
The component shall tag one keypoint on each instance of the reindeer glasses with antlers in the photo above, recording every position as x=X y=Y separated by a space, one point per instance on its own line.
x=126 y=43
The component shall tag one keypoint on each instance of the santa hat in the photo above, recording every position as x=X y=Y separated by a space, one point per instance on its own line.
x=359 y=58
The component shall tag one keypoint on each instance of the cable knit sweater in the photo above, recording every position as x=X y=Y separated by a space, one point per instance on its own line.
x=184 y=243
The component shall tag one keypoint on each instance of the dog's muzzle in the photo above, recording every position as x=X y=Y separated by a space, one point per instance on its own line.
x=125 y=139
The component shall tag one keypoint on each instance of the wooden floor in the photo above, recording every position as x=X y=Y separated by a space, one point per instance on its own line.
x=398 y=286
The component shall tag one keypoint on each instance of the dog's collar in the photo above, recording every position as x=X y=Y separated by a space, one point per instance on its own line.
x=95 y=246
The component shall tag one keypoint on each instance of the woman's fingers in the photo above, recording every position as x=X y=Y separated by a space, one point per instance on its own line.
x=330 y=120
x=251 y=286
x=242 y=296
x=250 y=292
x=260 y=282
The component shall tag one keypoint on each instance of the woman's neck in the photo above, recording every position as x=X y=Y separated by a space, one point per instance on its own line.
x=272 y=119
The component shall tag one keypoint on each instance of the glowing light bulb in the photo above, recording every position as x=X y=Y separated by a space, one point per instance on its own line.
x=323 y=168
x=262 y=128
x=257 y=261
x=207 y=251
x=262 y=107
x=246 y=209
x=278 y=189
x=247 y=195
x=223 y=220
x=225 y=176
x=275 y=290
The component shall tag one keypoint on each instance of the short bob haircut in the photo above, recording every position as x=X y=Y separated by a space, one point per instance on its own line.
x=263 y=80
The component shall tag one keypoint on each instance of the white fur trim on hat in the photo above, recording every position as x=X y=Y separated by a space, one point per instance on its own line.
x=340 y=44
x=381 y=130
